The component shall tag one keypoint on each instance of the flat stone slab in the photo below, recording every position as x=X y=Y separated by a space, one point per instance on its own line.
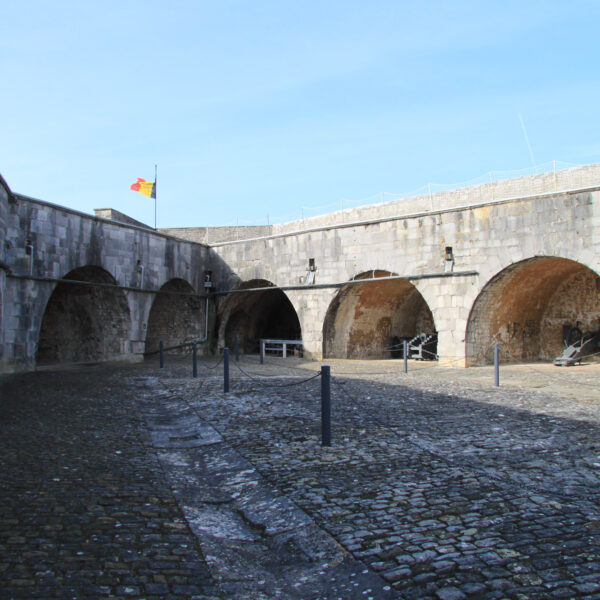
x=274 y=514
x=218 y=522
x=191 y=435
x=250 y=534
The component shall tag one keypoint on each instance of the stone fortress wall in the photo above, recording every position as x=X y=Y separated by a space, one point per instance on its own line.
x=81 y=281
x=553 y=237
x=512 y=262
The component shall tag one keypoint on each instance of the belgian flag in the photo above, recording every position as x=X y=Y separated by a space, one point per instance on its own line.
x=148 y=188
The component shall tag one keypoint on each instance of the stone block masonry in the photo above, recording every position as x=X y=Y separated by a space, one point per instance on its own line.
x=213 y=235
x=131 y=263
x=511 y=245
x=485 y=239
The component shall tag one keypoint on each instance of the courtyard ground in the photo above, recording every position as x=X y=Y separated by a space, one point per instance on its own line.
x=131 y=481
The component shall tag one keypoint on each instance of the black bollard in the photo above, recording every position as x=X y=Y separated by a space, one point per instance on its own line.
x=161 y=354
x=325 y=405
x=497 y=365
x=262 y=351
x=226 y=370
x=194 y=360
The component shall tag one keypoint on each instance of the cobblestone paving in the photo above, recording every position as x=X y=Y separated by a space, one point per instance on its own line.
x=137 y=482
x=85 y=511
x=257 y=543
x=448 y=489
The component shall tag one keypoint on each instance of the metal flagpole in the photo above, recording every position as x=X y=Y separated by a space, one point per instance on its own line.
x=155 y=177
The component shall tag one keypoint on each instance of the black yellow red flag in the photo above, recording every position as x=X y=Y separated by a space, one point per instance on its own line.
x=148 y=188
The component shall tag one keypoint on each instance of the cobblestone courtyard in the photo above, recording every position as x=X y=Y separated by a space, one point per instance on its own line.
x=139 y=482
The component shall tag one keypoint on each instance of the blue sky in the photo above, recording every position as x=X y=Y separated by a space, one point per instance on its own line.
x=257 y=110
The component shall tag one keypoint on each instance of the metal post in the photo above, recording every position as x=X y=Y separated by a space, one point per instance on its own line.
x=226 y=370
x=284 y=353
x=497 y=365
x=161 y=354
x=262 y=351
x=325 y=405
x=194 y=360
x=155 y=182
x=405 y=355
x=237 y=349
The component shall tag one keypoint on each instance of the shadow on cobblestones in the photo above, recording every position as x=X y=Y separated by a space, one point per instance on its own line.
x=85 y=510
x=474 y=492
x=145 y=483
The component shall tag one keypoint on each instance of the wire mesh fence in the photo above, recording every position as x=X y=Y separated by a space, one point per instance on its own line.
x=549 y=177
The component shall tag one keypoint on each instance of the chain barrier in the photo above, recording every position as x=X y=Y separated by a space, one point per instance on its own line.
x=341 y=387
x=434 y=364
x=503 y=480
x=213 y=366
x=425 y=365
x=184 y=345
x=325 y=376
x=256 y=362
x=276 y=385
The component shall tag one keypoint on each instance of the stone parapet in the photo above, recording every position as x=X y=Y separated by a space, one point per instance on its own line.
x=114 y=215
x=533 y=185
x=215 y=235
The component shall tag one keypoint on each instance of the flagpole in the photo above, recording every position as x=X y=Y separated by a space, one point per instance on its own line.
x=155 y=174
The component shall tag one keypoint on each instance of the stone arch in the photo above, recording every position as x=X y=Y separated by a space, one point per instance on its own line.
x=365 y=319
x=177 y=316
x=84 y=322
x=528 y=306
x=255 y=314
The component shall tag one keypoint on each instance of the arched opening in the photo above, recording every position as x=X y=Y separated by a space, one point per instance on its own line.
x=176 y=317
x=370 y=319
x=529 y=308
x=252 y=315
x=84 y=322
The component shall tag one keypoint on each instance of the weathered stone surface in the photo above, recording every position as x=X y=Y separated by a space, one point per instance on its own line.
x=86 y=511
x=437 y=485
x=248 y=532
x=473 y=491
x=525 y=263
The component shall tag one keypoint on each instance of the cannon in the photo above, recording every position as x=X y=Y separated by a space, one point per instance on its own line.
x=578 y=345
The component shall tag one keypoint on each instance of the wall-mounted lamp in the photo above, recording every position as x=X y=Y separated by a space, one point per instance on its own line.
x=7 y=246
x=310 y=273
x=448 y=260
x=29 y=251
x=140 y=270
x=208 y=280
